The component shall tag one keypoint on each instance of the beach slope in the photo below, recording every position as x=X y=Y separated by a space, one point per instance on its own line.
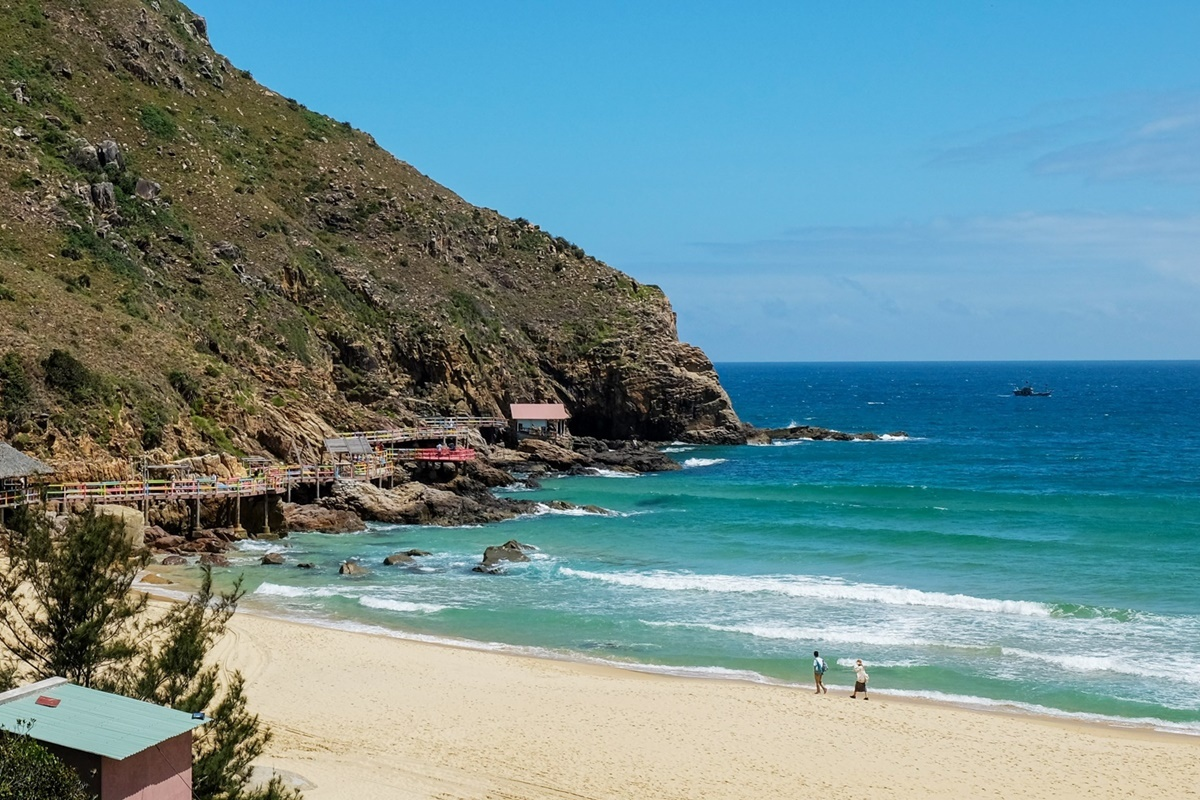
x=367 y=716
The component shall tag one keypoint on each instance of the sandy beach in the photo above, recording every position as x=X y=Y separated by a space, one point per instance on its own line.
x=365 y=716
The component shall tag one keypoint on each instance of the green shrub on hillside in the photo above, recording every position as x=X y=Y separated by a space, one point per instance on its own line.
x=154 y=418
x=67 y=374
x=187 y=386
x=158 y=122
x=84 y=241
x=16 y=393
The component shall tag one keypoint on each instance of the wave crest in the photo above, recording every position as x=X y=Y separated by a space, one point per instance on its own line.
x=692 y=463
x=815 y=588
x=402 y=606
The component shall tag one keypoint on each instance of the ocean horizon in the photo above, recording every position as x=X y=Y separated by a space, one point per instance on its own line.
x=1031 y=553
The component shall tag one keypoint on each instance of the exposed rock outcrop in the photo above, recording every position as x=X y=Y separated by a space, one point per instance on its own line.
x=418 y=504
x=495 y=557
x=319 y=518
x=403 y=558
x=765 y=435
x=624 y=456
x=131 y=519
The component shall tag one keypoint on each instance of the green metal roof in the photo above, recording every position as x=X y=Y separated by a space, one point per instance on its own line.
x=92 y=721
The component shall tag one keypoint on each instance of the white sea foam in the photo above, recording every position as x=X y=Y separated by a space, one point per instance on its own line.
x=1119 y=664
x=264 y=546
x=541 y=508
x=279 y=590
x=400 y=605
x=678 y=449
x=515 y=487
x=874 y=402
x=888 y=437
x=610 y=473
x=692 y=463
x=1188 y=728
x=856 y=636
x=789 y=442
x=811 y=587
x=900 y=664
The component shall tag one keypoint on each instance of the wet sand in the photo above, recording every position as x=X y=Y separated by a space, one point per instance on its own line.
x=366 y=716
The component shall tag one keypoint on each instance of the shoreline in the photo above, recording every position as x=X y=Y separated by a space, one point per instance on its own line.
x=979 y=705
x=380 y=716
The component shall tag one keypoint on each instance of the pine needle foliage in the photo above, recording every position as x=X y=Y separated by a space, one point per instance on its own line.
x=65 y=604
x=66 y=609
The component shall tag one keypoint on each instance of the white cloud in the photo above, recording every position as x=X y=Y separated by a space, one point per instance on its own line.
x=1147 y=136
x=1017 y=286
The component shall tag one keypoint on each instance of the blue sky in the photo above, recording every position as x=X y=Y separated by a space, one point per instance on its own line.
x=807 y=181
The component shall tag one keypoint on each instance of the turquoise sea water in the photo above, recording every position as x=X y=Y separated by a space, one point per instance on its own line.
x=1041 y=553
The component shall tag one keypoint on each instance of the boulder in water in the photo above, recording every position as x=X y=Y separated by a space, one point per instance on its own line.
x=510 y=551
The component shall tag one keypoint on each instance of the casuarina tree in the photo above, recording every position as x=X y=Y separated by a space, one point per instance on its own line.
x=66 y=609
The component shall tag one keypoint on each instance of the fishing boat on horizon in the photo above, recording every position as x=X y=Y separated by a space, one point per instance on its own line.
x=1028 y=391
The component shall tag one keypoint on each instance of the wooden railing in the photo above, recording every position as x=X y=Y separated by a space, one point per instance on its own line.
x=429 y=428
x=273 y=479
x=11 y=498
x=270 y=480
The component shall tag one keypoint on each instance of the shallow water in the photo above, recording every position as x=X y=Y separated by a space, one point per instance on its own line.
x=1042 y=553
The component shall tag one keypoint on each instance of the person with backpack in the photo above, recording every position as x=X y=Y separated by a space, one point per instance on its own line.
x=819 y=668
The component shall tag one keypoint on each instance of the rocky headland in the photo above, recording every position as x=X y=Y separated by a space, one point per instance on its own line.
x=190 y=263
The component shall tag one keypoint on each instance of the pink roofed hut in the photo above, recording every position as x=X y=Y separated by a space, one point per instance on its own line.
x=543 y=420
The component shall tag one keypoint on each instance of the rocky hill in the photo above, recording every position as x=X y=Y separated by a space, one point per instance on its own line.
x=191 y=262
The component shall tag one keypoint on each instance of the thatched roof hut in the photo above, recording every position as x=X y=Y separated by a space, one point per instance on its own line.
x=16 y=468
x=15 y=464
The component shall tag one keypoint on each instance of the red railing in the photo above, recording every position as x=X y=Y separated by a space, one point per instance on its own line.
x=433 y=454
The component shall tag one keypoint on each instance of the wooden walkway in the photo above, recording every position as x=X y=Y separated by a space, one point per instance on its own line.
x=429 y=429
x=381 y=465
x=269 y=480
x=272 y=480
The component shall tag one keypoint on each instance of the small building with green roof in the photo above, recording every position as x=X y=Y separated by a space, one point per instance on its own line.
x=124 y=749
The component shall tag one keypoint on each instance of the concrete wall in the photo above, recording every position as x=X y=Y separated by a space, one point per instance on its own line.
x=163 y=772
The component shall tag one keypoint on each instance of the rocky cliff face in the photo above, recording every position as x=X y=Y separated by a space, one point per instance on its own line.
x=189 y=262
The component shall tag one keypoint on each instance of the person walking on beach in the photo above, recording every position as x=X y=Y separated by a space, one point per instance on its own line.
x=819 y=668
x=860 y=680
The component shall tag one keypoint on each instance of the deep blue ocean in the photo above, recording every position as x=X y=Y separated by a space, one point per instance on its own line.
x=1038 y=553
